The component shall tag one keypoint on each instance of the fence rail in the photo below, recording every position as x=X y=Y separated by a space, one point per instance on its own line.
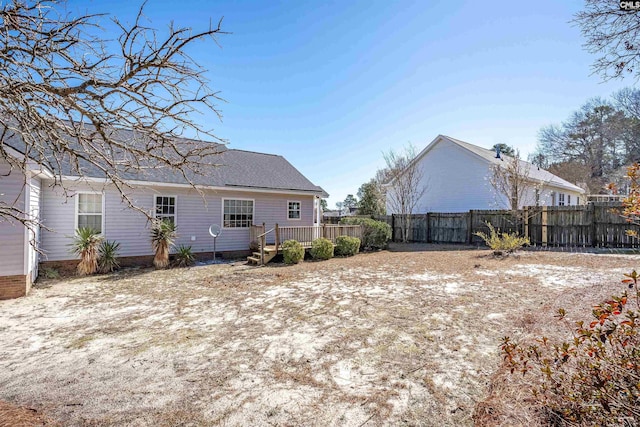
x=593 y=225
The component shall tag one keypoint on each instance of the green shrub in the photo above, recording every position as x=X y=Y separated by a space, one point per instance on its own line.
x=347 y=245
x=49 y=273
x=108 y=256
x=184 y=256
x=593 y=378
x=502 y=243
x=322 y=248
x=375 y=234
x=292 y=251
x=85 y=245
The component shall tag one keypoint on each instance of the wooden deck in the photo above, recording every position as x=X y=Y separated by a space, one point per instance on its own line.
x=269 y=242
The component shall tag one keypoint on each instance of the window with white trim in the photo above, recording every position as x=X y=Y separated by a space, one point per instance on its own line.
x=293 y=211
x=89 y=211
x=165 y=208
x=560 y=199
x=237 y=213
x=568 y=199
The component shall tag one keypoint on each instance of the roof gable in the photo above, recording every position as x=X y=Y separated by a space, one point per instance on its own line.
x=536 y=174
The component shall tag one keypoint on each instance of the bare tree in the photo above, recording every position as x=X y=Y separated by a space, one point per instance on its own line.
x=405 y=186
x=613 y=33
x=72 y=99
x=512 y=182
x=515 y=188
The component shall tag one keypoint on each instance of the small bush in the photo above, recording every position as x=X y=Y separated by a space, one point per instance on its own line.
x=108 y=256
x=292 y=251
x=322 y=249
x=347 y=245
x=502 y=243
x=184 y=256
x=375 y=234
x=50 y=273
x=592 y=379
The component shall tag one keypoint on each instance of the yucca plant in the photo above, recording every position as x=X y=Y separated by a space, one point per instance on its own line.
x=85 y=245
x=184 y=256
x=108 y=256
x=163 y=234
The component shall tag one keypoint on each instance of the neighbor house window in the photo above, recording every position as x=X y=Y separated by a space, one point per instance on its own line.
x=578 y=201
x=294 y=210
x=237 y=213
x=568 y=199
x=560 y=199
x=165 y=208
x=89 y=211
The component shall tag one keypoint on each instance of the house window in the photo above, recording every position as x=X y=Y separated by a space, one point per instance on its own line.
x=294 y=210
x=237 y=213
x=165 y=208
x=537 y=192
x=89 y=211
x=568 y=199
x=578 y=201
x=560 y=199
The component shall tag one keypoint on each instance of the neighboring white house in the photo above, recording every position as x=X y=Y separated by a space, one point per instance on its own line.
x=244 y=188
x=457 y=178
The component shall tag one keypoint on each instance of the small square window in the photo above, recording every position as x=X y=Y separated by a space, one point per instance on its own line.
x=294 y=210
x=166 y=208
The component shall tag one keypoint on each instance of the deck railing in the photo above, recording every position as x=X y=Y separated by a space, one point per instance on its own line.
x=303 y=234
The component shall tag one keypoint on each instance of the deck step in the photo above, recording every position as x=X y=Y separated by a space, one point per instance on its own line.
x=253 y=260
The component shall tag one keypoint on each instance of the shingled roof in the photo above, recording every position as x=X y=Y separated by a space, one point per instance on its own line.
x=230 y=168
x=534 y=173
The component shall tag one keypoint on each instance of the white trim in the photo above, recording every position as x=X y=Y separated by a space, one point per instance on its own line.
x=25 y=244
x=175 y=206
x=299 y=210
x=198 y=186
x=253 y=214
x=75 y=212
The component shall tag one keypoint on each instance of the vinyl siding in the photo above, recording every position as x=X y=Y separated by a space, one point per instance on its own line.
x=194 y=215
x=456 y=180
x=12 y=234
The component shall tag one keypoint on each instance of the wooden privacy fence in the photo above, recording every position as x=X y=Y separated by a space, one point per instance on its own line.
x=592 y=225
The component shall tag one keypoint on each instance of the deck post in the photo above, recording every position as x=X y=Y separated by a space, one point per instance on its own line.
x=544 y=226
x=277 y=237
x=324 y=231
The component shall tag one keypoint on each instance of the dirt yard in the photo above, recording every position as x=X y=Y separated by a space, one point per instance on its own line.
x=408 y=337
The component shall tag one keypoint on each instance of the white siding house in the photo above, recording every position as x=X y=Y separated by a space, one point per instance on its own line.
x=242 y=189
x=456 y=178
x=18 y=254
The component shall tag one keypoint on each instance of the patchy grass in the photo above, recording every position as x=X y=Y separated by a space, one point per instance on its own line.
x=392 y=338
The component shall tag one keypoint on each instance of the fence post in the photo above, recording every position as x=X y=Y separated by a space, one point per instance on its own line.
x=469 y=229
x=393 y=227
x=525 y=222
x=427 y=228
x=594 y=231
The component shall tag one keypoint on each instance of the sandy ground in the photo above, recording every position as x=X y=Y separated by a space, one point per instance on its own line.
x=408 y=337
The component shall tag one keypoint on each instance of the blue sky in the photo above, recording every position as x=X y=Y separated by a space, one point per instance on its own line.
x=331 y=85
